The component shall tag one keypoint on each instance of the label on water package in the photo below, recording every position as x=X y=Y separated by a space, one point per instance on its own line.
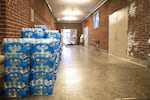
x=28 y=33
x=42 y=48
x=41 y=87
x=15 y=89
x=16 y=74
x=16 y=60
x=44 y=73
x=41 y=60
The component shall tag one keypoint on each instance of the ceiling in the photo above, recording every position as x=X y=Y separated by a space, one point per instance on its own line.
x=76 y=10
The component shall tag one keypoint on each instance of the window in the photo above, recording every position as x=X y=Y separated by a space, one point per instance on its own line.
x=96 y=19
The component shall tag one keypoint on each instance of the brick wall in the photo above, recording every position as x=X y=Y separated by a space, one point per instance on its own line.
x=139 y=20
x=42 y=14
x=139 y=31
x=101 y=33
x=16 y=14
x=77 y=26
x=2 y=18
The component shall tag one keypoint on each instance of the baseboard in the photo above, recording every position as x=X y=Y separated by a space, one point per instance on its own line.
x=142 y=63
x=139 y=62
x=103 y=51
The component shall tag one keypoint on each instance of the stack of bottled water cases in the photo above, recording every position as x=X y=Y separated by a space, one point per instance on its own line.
x=43 y=59
x=31 y=62
x=42 y=67
x=41 y=31
x=17 y=67
x=54 y=34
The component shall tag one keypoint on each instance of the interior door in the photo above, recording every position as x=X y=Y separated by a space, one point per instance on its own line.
x=112 y=33
x=118 y=26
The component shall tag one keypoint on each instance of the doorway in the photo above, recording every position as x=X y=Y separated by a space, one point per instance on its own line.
x=118 y=26
x=69 y=36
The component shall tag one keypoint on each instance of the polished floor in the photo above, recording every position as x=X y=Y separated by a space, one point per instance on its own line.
x=85 y=74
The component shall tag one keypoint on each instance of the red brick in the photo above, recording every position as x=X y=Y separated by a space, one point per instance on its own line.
x=138 y=24
x=15 y=14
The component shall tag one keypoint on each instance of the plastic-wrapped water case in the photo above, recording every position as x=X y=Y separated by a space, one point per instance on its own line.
x=52 y=34
x=42 y=48
x=55 y=45
x=49 y=34
x=57 y=35
x=53 y=58
x=41 y=26
x=56 y=65
x=28 y=33
x=16 y=60
x=44 y=73
x=39 y=33
x=16 y=74
x=15 y=89
x=16 y=45
x=13 y=47
x=27 y=45
x=41 y=60
x=41 y=87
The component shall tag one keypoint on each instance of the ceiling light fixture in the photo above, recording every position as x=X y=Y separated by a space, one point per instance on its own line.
x=69 y=18
x=77 y=1
x=72 y=12
x=58 y=19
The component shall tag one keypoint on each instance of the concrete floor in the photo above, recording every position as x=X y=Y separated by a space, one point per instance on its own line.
x=87 y=75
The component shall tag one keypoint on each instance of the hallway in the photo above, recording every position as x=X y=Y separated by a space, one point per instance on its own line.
x=84 y=75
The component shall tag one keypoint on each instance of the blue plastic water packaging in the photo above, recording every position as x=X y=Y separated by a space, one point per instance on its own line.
x=41 y=60
x=41 y=87
x=27 y=45
x=52 y=34
x=15 y=45
x=40 y=47
x=28 y=33
x=15 y=89
x=41 y=26
x=39 y=33
x=16 y=74
x=16 y=60
x=49 y=34
x=57 y=46
x=31 y=62
x=57 y=35
x=44 y=73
